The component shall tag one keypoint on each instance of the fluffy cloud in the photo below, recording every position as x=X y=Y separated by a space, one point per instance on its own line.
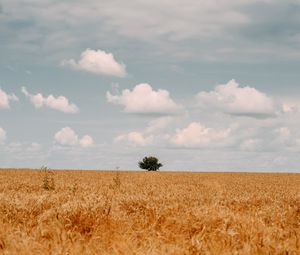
x=235 y=100
x=144 y=100
x=2 y=135
x=5 y=99
x=67 y=136
x=98 y=62
x=59 y=103
x=152 y=133
x=86 y=141
x=135 y=138
x=197 y=135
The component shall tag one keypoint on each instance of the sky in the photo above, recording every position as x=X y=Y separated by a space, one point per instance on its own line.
x=206 y=85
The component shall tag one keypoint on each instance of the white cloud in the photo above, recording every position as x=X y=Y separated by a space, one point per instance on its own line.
x=67 y=136
x=143 y=99
x=197 y=135
x=2 y=135
x=235 y=100
x=152 y=133
x=135 y=138
x=290 y=104
x=287 y=108
x=5 y=99
x=59 y=103
x=98 y=62
x=86 y=141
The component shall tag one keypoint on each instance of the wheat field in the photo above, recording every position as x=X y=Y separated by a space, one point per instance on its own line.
x=107 y=212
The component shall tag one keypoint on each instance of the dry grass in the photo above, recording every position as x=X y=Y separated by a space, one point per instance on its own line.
x=92 y=212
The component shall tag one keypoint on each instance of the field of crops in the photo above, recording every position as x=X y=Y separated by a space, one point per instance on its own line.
x=102 y=212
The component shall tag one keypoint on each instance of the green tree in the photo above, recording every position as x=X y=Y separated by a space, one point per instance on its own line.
x=150 y=164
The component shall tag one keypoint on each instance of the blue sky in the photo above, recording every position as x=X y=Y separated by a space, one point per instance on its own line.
x=204 y=85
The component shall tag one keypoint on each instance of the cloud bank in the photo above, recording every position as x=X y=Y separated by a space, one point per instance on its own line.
x=59 y=103
x=98 y=62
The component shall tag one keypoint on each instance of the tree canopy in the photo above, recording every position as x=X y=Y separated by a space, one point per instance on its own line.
x=150 y=163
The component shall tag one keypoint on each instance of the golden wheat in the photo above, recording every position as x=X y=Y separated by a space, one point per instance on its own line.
x=101 y=212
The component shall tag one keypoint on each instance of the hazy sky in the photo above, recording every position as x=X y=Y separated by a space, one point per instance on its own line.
x=203 y=85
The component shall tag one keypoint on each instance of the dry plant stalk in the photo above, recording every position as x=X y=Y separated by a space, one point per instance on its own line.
x=94 y=212
x=48 y=178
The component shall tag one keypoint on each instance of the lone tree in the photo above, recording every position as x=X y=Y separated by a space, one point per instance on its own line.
x=150 y=164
